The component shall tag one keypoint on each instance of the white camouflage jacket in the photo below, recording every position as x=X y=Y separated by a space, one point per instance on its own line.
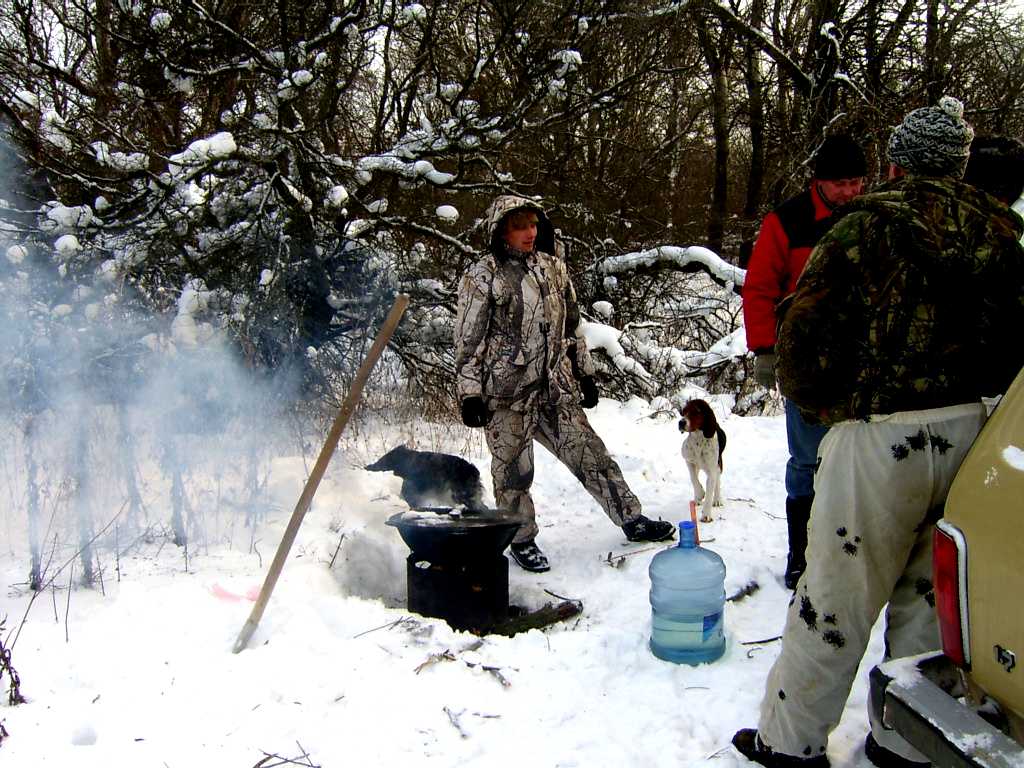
x=516 y=331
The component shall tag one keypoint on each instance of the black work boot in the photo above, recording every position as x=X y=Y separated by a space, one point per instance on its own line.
x=798 y=513
x=748 y=743
x=886 y=758
x=529 y=557
x=645 y=529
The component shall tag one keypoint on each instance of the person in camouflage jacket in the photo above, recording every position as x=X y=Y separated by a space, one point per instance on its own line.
x=907 y=304
x=899 y=325
x=787 y=236
x=523 y=372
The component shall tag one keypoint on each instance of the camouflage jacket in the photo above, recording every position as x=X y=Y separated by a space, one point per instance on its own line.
x=515 y=330
x=913 y=300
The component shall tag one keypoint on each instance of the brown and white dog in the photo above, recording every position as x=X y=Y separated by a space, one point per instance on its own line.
x=702 y=451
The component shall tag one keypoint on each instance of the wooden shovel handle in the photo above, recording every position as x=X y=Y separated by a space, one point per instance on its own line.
x=302 y=506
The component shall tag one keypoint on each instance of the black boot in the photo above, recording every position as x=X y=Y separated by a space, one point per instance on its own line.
x=748 y=743
x=798 y=513
x=886 y=758
x=644 y=529
x=529 y=557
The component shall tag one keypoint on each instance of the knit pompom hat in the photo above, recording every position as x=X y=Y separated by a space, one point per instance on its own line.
x=933 y=141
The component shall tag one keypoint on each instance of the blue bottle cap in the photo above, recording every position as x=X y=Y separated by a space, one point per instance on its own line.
x=687 y=534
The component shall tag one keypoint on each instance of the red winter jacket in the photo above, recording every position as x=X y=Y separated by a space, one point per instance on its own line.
x=787 y=237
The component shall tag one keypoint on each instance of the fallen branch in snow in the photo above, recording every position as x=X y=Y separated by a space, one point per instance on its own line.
x=539 y=619
x=746 y=590
x=762 y=642
x=716 y=753
x=304 y=758
x=448 y=655
x=389 y=625
x=494 y=672
x=434 y=658
x=14 y=687
x=453 y=718
x=655 y=414
x=562 y=597
x=616 y=561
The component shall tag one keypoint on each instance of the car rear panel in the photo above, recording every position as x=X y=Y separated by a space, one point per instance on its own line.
x=986 y=503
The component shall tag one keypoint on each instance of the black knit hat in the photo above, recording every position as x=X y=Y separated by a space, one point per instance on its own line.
x=933 y=141
x=996 y=166
x=839 y=157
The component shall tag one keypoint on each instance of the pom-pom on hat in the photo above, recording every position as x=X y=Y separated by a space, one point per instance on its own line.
x=934 y=141
x=839 y=157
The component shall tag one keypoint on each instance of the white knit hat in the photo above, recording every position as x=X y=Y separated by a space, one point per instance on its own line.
x=934 y=141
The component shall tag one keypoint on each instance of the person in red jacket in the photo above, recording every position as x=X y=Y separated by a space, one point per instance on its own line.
x=787 y=236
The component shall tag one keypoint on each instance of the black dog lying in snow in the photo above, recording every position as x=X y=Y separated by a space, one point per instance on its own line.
x=433 y=479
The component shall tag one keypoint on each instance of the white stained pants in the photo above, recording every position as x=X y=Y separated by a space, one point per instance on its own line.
x=878 y=492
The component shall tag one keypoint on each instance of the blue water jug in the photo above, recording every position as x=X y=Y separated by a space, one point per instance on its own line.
x=687 y=601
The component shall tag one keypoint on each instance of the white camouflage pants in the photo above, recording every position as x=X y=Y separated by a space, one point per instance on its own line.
x=563 y=429
x=879 y=489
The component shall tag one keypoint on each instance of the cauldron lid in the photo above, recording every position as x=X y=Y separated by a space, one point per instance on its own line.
x=443 y=517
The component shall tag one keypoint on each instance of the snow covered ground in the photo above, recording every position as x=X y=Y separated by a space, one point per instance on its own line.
x=144 y=675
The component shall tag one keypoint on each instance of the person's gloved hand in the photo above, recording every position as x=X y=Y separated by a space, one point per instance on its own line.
x=588 y=388
x=764 y=370
x=474 y=412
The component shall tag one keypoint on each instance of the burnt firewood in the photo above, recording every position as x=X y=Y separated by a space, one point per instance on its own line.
x=538 y=619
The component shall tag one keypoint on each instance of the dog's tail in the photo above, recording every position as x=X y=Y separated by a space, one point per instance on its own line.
x=721 y=446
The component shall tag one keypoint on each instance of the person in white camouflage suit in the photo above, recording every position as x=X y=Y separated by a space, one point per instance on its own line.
x=523 y=374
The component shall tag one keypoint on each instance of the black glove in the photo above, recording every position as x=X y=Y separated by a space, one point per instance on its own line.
x=764 y=370
x=588 y=388
x=474 y=412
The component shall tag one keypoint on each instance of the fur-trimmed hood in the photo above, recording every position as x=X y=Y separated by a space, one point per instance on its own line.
x=502 y=207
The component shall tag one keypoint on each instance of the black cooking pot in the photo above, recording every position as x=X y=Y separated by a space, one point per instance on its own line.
x=435 y=535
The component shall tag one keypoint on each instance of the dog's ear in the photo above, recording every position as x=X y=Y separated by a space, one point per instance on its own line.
x=710 y=423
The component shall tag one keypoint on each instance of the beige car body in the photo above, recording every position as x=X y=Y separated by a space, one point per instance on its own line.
x=972 y=716
x=986 y=503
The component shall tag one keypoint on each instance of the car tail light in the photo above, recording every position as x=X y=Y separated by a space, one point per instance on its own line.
x=949 y=577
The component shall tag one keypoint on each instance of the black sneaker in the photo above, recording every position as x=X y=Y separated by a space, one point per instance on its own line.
x=529 y=557
x=886 y=758
x=749 y=744
x=643 y=529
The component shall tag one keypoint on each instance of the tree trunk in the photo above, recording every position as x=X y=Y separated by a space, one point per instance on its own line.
x=932 y=66
x=35 y=580
x=80 y=463
x=720 y=193
x=756 y=121
x=716 y=54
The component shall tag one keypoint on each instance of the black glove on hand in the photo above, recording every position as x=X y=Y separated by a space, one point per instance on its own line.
x=588 y=388
x=474 y=412
x=764 y=370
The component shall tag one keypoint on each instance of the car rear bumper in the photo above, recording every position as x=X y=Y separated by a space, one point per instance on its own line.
x=917 y=697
